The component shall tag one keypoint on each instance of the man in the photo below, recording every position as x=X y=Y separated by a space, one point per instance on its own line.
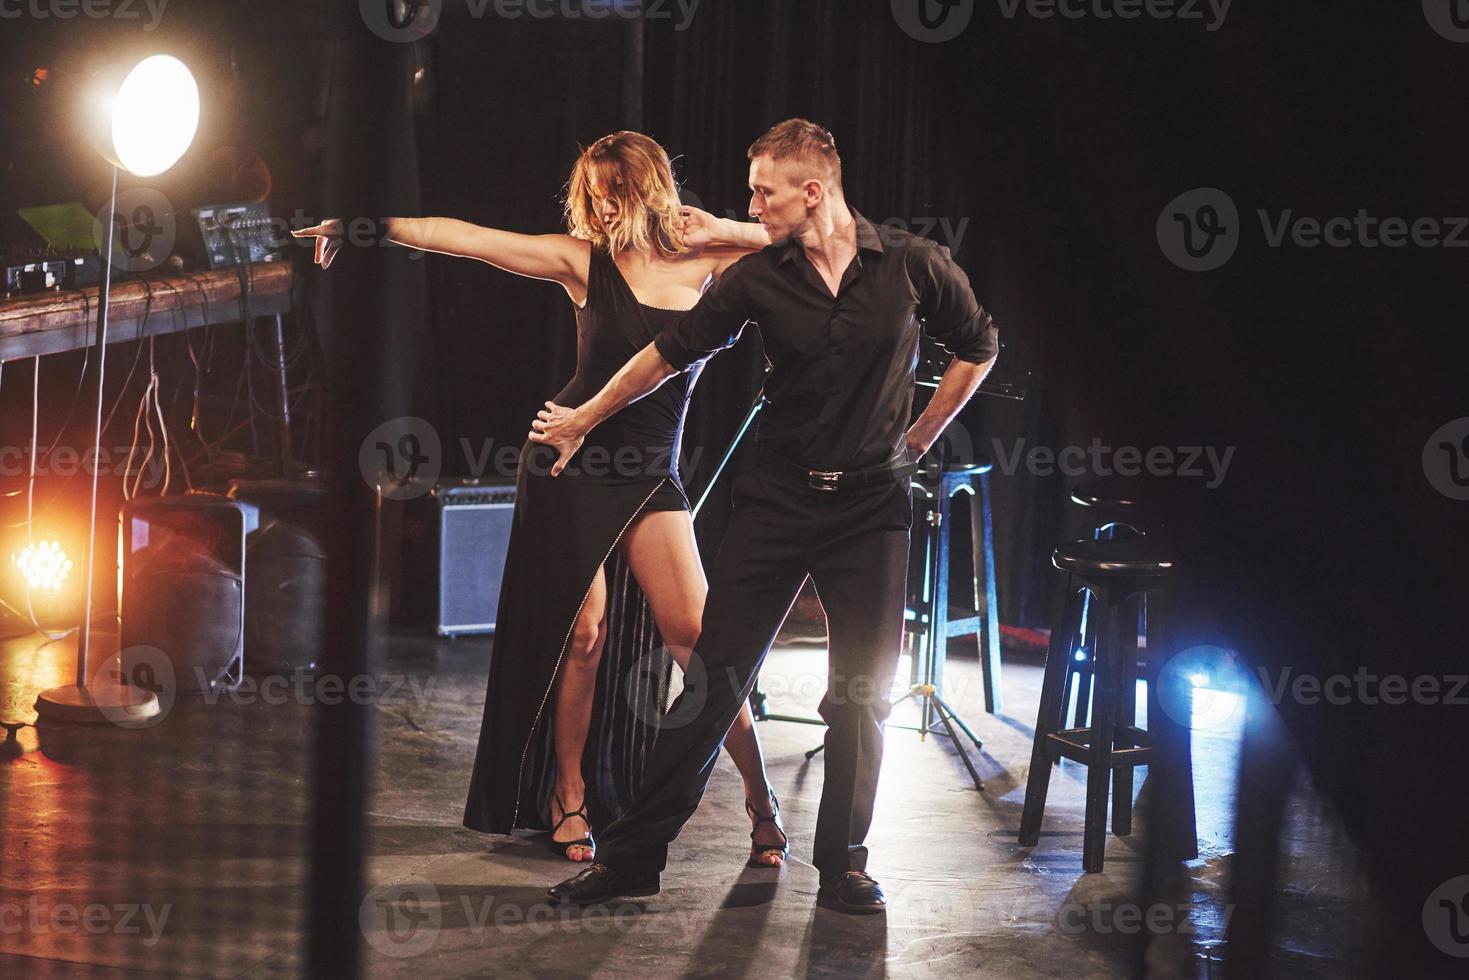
x=838 y=305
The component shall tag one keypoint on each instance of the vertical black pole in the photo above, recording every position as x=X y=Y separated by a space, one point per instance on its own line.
x=284 y=450
x=365 y=141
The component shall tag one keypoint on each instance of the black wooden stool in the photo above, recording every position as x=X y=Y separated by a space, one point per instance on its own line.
x=1114 y=509
x=936 y=490
x=1116 y=573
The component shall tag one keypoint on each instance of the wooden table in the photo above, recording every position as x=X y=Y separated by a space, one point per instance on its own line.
x=56 y=321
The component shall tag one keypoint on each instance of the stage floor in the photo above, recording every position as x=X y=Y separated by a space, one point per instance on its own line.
x=183 y=850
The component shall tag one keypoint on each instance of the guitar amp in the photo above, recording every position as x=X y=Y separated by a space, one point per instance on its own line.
x=454 y=542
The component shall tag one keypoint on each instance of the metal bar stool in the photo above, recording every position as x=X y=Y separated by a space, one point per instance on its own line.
x=1116 y=573
x=930 y=607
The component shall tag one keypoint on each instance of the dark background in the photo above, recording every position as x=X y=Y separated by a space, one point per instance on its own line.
x=1057 y=144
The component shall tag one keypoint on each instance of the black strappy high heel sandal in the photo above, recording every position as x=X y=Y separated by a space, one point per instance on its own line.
x=562 y=847
x=759 y=850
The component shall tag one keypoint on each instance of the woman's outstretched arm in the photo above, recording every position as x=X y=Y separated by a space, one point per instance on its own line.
x=557 y=258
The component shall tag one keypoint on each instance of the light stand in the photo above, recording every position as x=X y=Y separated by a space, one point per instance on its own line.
x=145 y=125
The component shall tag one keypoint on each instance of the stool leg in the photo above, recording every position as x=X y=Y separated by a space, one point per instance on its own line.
x=1104 y=715
x=1085 y=674
x=986 y=600
x=1039 y=781
x=1172 y=742
x=940 y=617
x=1126 y=715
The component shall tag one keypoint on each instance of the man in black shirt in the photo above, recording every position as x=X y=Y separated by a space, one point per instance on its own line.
x=839 y=305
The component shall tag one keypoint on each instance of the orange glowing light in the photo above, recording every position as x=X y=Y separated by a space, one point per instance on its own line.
x=44 y=565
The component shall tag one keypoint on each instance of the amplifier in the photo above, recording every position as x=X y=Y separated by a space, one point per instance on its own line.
x=454 y=541
x=39 y=270
x=237 y=234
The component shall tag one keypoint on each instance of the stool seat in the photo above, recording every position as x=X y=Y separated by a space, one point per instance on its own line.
x=1120 y=557
x=982 y=464
x=1112 y=494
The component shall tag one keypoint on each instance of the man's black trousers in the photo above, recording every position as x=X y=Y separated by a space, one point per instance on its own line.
x=853 y=543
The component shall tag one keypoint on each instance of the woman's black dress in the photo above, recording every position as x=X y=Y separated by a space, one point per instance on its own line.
x=564 y=528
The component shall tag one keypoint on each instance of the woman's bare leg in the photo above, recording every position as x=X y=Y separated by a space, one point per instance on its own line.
x=575 y=689
x=664 y=558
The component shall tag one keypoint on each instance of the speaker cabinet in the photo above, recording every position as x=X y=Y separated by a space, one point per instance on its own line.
x=454 y=541
x=181 y=581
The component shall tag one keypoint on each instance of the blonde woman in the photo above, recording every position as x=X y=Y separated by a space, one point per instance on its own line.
x=632 y=263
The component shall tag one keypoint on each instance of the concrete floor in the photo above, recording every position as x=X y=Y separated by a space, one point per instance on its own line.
x=183 y=850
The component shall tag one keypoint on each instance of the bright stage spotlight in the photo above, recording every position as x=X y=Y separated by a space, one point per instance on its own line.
x=148 y=120
x=142 y=121
x=44 y=566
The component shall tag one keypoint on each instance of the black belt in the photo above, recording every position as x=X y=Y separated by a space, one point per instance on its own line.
x=831 y=481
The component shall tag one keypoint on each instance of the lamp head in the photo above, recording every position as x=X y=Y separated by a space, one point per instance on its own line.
x=144 y=119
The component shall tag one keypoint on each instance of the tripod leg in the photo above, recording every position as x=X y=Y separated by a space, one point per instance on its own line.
x=978 y=744
x=943 y=716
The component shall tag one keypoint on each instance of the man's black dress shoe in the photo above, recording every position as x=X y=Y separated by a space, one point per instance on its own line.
x=853 y=892
x=599 y=883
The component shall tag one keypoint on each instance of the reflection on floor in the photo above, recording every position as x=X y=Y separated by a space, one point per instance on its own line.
x=183 y=849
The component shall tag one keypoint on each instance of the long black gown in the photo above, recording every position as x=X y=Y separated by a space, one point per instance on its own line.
x=564 y=528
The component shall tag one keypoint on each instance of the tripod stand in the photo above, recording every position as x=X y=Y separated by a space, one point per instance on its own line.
x=930 y=646
x=930 y=649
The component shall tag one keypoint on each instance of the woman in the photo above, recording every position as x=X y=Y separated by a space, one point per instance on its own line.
x=633 y=260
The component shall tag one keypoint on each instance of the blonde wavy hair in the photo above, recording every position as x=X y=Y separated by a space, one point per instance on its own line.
x=636 y=171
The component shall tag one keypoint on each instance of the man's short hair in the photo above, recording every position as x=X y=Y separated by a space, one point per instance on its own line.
x=802 y=140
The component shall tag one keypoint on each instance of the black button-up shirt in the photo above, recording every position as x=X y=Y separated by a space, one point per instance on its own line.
x=841 y=380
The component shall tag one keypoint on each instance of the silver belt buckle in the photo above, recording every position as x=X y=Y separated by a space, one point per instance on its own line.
x=823 y=480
